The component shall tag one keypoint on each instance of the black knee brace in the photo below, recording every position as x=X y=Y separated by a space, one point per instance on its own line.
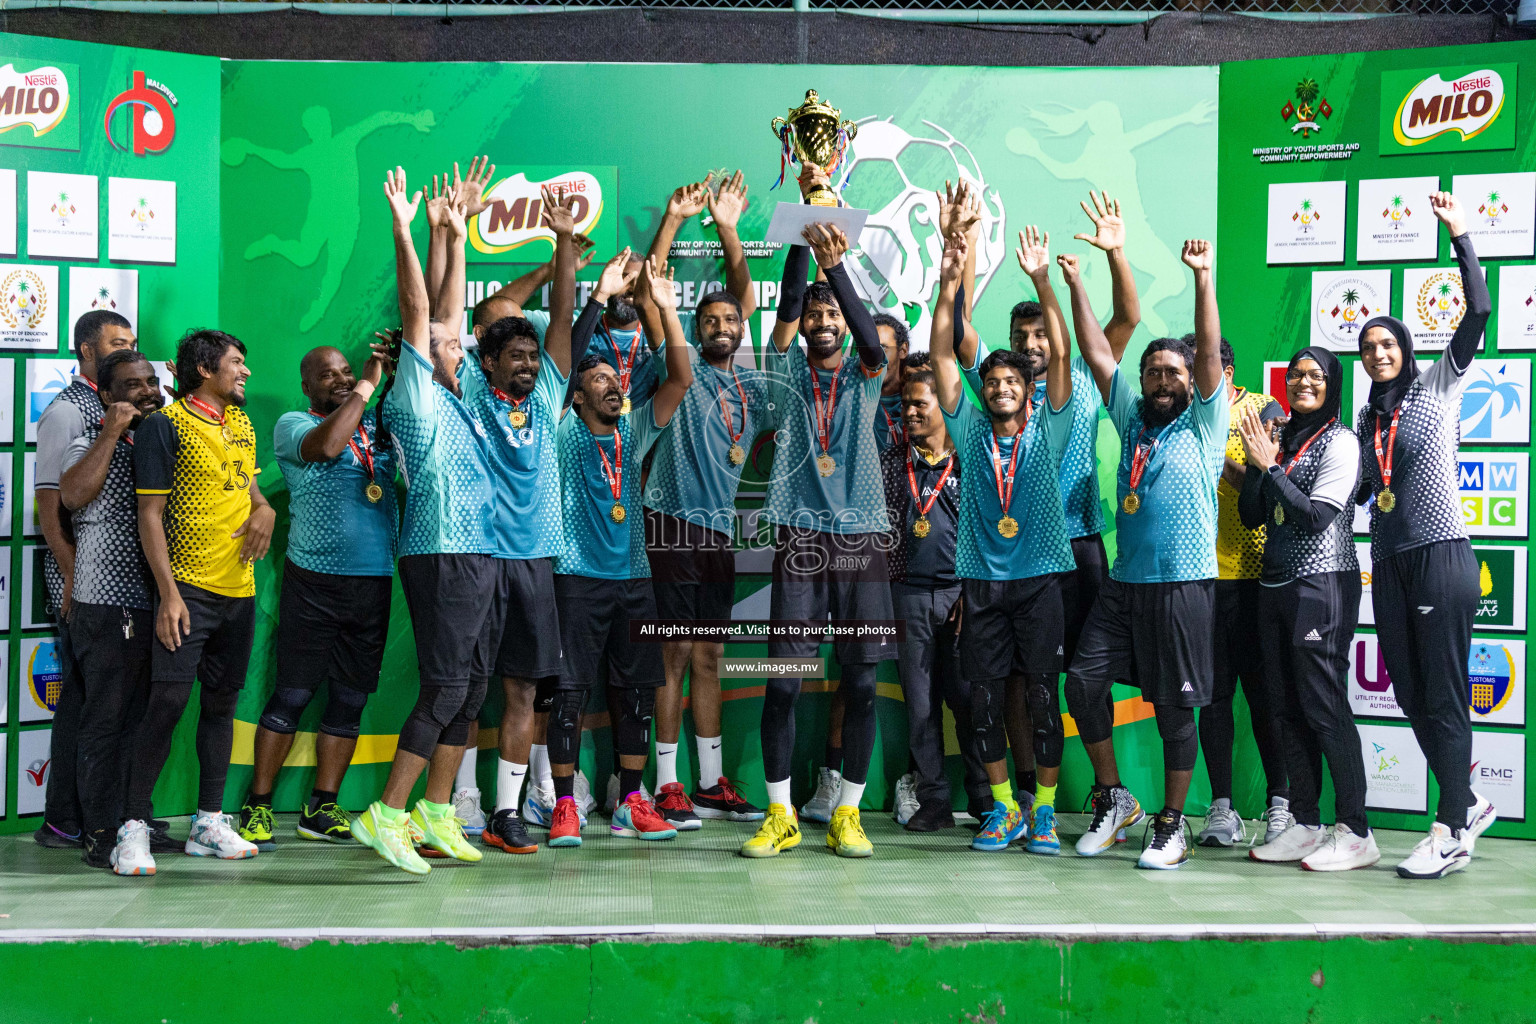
x=1177 y=728
x=343 y=712
x=219 y=703
x=284 y=709
x=987 y=718
x=565 y=726
x=1092 y=707
x=435 y=707
x=456 y=733
x=1045 y=715
x=632 y=729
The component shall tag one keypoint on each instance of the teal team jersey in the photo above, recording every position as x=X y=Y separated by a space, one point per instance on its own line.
x=889 y=426
x=692 y=476
x=595 y=545
x=1172 y=535
x=1041 y=545
x=612 y=347
x=852 y=498
x=450 y=501
x=523 y=458
x=1080 y=462
x=334 y=527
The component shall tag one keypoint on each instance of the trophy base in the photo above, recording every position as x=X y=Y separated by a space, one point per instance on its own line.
x=791 y=219
x=822 y=197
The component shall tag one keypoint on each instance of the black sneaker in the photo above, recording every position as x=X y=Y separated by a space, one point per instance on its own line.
x=676 y=809
x=505 y=831
x=1167 y=844
x=160 y=840
x=328 y=824
x=724 y=800
x=930 y=817
x=96 y=847
x=55 y=838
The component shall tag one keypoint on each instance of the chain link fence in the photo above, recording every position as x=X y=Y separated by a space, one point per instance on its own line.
x=974 y=11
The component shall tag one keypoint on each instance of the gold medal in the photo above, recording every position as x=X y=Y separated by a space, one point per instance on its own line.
x=228 y=432
x=1279 y=515
x=737 y=455
x=1131 y=504
x=626 y=406
x=374 y=492
x=1008 y=527
x=826 y=465
x=1386 y=500
x=921 y=526
x=617 y=512
x=517 y=418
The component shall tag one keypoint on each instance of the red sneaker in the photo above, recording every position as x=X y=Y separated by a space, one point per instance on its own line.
x=565 y=828
x=724 y=800
x=637 y=819
x=672 y=803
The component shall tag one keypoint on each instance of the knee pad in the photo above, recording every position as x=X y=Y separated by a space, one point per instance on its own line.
x=1176 y=726
x=439 y=704
x=282 y=712
x=631 y=730
x=474 y=699
x=343 y=715
x=219 y=703
x=565 y=726
x=987 y=719
x=1093 y=710
x=1045 y=715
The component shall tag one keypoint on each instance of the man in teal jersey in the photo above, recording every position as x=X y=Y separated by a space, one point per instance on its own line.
x=333 y=614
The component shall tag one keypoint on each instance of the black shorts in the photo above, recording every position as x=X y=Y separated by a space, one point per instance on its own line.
x=1164 y=629
x=594 y=624
x=1010 y=626
x=1080 y=589
x=521 y=634
x=218 y=648
x=449 y=597
x=693 y=568
x=331 y=629
x=1234 y=627
x=819 y=576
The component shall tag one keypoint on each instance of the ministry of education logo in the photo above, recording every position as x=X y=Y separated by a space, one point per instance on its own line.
x=23 y=299
x=1439 y=306
x=1308 y=106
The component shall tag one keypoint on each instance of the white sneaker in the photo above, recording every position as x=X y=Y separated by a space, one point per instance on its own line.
x=1114 y=810
x=611 y=804
x=539 y=804
x=583 y=793
x=1296 y=843
x=1168 y=848
x=131 y=855
x=1437 y=855
x=906 y=798
x=1223 y=825
x=1343 y=851
x=1277 y=818
x=1479 y=816
x=466 y=807
x=214 y=835
x=829 y=788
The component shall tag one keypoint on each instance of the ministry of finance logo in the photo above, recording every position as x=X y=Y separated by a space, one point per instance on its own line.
x=23 y=300
x=1306 y=109
x=1397 y=212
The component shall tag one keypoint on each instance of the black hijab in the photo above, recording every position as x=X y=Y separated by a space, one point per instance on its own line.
x=1302 y=425
x=1385 y=395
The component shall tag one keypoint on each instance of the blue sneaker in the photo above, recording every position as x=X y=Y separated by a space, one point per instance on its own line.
x=1042 y=834
x=538 y=805
x=999 y=828
x=636 y=818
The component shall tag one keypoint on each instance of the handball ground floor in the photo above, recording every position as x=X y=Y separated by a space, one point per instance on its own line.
x=686 y=930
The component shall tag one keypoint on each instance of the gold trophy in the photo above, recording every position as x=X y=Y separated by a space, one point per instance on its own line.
x=814 y=133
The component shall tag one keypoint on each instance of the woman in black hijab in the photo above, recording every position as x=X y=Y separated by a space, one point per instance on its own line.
x=1300 y=487
x=1424 y=578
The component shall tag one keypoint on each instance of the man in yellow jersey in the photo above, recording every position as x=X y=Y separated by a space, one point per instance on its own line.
x=203 y=523
x=1239 y=558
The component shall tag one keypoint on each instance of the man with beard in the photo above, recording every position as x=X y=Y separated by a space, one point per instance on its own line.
x=446 y=565
x=203 y=522
x=1155 y=610
x=602 y=577
x=1010 y=576
x=826 y=499
x=333 y=614
x=97 y=334
x=110 y=602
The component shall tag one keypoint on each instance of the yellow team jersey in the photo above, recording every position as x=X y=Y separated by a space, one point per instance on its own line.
x=1239 y=550
x=206 y=477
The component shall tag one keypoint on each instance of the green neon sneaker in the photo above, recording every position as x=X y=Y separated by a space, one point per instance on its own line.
x=390 y=840
x=329 y=824
x=445 y=834
x=256 y=825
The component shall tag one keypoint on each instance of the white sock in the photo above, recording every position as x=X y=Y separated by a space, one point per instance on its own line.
x=509 y=784
x=711 y=771
x=853 y=792
x=666 y=763
x=466 y=779
x=778 y=792
x=538 y=764
x=206 y=814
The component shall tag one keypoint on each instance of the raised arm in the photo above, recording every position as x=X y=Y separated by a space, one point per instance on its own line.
x=1034 y=255
x=829 y=244
x=725 y=209
x=80 y=484
x=330 y=436
x=559 y=337
x=439 y=199
x=947 y=322
x=410 y=286
x=669 y=394
x=1200 y=256
x=1109 y=236
x=786 y=324
x=1474 y=286
x=1091 y=342
x=960 y=214
x=450 y=303
x=616 y=279
x=686 y=201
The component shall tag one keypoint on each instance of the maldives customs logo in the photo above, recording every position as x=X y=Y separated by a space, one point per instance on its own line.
x=23 y=300
x=45 y=679
x=1491 y=672
x=1306 y=109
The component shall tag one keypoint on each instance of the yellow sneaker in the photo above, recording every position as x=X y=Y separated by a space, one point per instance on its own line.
x=444 y=834
x=846 y=836
x=780 y=830
x=390 y=840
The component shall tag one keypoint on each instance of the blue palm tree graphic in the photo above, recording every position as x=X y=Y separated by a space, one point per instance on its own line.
x=1478 y=405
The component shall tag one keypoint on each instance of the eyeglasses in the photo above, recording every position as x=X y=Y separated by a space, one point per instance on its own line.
x=1310 y=376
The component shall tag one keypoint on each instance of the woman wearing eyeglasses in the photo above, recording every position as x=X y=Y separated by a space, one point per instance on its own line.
x=1300 y=487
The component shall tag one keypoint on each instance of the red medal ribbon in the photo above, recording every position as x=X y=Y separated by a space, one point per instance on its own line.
x=895 y=427
x=365 y=453
x=1303 y=449
x=1005 y=498
x=1141 y=456
x=825 y=413
x=502 y=396
x=90 y=383
x=725 y=407
x=922 y=509
x=613 y=472
x=625 y=365
x=208 y=411
x=1384 y=460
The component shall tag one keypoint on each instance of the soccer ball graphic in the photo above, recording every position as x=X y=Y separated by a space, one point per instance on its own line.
x=895 y=176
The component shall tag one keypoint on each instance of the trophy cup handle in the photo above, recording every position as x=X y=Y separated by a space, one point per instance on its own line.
x=777 y=126
x=851 y=128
